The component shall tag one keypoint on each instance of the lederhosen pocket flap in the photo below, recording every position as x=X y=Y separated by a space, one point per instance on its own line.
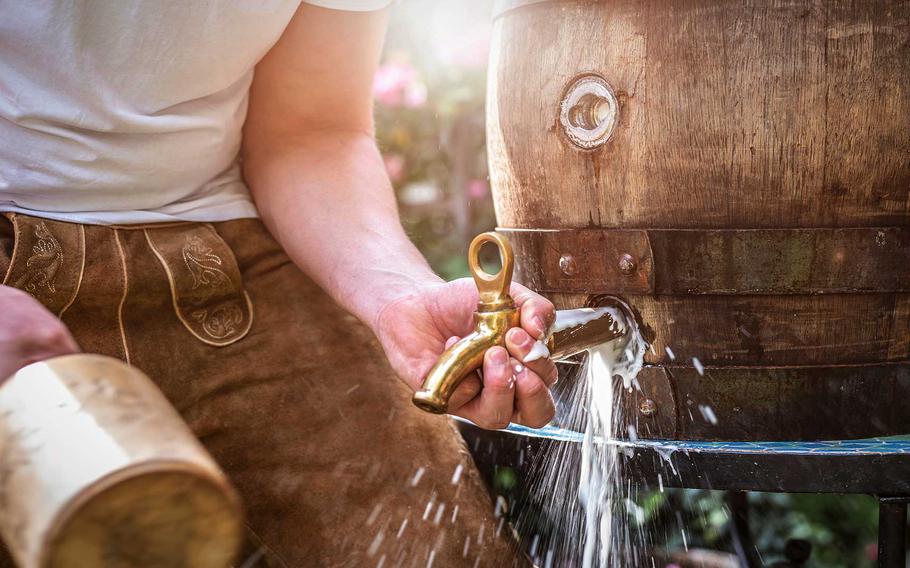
x=47 y=261
x=205 y=282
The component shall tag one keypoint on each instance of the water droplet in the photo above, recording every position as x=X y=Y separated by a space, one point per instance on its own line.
x=708 y=413
x=375 y=513
x=456 y=476
x=377 y=542
x=501 y=506
x=439 y=511
x=404 y=524
x=417 y=476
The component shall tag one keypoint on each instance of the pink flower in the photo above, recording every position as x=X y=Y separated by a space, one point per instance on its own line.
x=478 y=189
x=415 y=95
x=394 y=166
x=396 y=84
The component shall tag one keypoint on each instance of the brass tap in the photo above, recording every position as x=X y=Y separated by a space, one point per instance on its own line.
x=496 y=314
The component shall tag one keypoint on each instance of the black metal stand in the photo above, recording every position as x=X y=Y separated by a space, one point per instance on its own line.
x=740 y=532
x=880 y=468
x=892 y=532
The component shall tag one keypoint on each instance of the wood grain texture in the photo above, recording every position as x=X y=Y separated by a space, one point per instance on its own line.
x=798 y=403
x=747 y=114
x=713 y=261
x=835 y=329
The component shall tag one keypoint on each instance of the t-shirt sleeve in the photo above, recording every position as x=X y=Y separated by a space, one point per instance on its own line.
x=351 y=5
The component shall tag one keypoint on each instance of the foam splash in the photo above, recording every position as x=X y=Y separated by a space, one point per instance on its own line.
x=578 y=484
x=599 y=478
x=538 y=351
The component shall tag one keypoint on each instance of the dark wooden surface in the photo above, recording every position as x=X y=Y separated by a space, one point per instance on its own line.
x=732 y=115
x=743 y=114
x=714 y=261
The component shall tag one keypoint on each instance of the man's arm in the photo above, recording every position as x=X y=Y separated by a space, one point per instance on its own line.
x=313 y=167
x=320 y=185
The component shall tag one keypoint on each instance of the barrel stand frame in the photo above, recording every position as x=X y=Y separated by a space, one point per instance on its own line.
x=892 y=530
x=880 y=468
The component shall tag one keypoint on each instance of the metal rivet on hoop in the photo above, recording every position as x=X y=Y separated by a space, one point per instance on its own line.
x=627 y=264
x=567 y=264
x=647 y=407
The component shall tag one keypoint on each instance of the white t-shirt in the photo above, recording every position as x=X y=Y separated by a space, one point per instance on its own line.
x=130 y=111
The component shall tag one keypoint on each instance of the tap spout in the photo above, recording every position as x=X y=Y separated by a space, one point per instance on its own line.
x=577 y=330
x=462 y=358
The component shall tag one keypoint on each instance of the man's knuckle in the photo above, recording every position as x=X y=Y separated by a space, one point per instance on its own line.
x=50 y=334
x=535 y=388
x=496 y=385
x=541 y=418
x=498 y=424
x=541 y=421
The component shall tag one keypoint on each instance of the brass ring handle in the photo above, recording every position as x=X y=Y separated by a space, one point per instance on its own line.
x=493 y=288
x=496 y=314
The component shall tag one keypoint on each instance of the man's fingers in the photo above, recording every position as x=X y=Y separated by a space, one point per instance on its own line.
x=493 y=408
x=469 y=388
x=537 y=313
x=524 y=347
x=534 y=405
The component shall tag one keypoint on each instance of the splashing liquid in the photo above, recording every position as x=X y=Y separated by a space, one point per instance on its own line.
x=578 y=486
x=599 y=482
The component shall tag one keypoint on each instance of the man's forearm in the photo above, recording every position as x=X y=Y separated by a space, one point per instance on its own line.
x=325 y=197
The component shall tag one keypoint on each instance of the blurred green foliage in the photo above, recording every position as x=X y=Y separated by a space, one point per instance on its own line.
x=841 y=528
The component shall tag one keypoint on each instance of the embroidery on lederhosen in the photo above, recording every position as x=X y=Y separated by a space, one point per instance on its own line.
x=42 y=264
x=225 y=318
x=206 y=287
x=48 y=260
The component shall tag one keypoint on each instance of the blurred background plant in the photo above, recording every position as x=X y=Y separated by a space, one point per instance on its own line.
x=841 y=528
x=429 y=92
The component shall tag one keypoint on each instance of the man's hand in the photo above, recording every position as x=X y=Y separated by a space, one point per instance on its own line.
x=415 y=329
x=29 y=332
x=320 y=184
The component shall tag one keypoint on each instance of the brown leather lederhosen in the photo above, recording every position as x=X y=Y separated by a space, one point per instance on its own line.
x=291 y=395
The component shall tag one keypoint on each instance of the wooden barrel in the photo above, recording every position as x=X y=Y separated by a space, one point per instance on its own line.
x=740 y=173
